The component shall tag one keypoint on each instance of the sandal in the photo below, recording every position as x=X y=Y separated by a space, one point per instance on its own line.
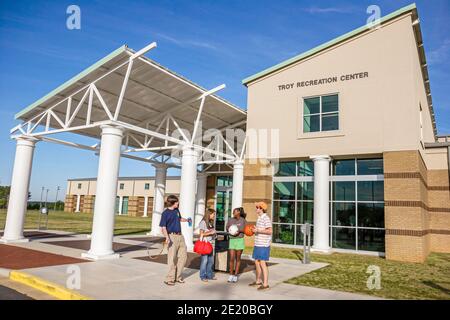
x=263 y=287
x=181 y=280
x=255 y=284
x=169 y=283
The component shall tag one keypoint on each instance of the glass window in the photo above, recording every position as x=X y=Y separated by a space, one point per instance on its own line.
x=370 y=166
x=371 y=240
x=305 y=212
x=344 y=238
x=283 y=211
x=121 y=186
x=330 y=103
x=125 y=205
x=305 y=168
x=371 y=215
x=284 y=191
x=321 y=113
x=147 y=186
x=286 y=169
x=305 y=191
x=224 y=181
x=283 y=233
x=344 y=214
x=330 y=122
x=79 y=186
x=344 y=167
x=344 y=191
x=311 y=123
x=311 y=105
x=370 y=190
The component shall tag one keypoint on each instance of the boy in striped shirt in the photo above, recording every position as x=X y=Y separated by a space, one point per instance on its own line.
x=261 y=251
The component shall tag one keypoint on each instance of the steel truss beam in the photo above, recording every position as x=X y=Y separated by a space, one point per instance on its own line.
x=57 y=121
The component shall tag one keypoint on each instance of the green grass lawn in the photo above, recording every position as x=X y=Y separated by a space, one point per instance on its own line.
x=82 y=222
x=399 y=280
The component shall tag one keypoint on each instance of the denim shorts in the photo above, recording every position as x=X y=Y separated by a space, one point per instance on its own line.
x=261 y=253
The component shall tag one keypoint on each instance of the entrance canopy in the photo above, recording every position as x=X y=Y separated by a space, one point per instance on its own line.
x=158 y=109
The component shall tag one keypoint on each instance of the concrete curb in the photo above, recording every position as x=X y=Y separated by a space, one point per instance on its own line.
x=45 y=286
x=5 y=272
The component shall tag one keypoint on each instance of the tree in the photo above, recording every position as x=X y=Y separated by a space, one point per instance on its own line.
x=4 y=195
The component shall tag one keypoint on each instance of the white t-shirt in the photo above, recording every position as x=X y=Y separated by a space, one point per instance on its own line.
x=263 y=240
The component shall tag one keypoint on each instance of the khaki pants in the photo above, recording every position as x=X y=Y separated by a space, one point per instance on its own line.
x=177 y=249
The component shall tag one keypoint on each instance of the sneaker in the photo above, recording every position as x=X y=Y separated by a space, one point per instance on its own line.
x=230 y=278
x=235 y=279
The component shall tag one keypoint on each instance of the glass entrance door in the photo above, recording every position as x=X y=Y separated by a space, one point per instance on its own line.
x=223 y=207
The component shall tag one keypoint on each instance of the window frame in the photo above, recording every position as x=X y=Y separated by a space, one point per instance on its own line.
x=320 y=114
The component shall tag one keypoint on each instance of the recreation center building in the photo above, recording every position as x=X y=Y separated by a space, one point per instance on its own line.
x=357 y=150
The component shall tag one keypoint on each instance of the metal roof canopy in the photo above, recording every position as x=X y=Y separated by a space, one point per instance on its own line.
x=148 y=100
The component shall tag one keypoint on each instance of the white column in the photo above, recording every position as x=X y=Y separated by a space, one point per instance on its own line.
x=120 y=205
x=77 y=208
x=200 y=208
x=18 y=197
x=321 y=203
x=158 y=198
x=238 y=184
x=189 y=161
x=106 y=191
x=145 y=206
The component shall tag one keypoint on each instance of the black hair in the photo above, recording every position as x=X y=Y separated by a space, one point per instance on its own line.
x=241 y=212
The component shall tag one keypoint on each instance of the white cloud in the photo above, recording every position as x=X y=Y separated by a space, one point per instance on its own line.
x=440 y=54
x=187 y=42
x=318 y=10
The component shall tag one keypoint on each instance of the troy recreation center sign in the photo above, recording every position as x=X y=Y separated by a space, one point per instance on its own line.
x=316 y=82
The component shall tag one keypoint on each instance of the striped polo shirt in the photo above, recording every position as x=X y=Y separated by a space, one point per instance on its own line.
x=263 y=240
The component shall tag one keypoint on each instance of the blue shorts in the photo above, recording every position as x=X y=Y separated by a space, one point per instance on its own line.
x=261 y=253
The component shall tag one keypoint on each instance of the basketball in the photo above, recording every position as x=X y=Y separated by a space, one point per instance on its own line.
x=233 y=230
x=248 y=230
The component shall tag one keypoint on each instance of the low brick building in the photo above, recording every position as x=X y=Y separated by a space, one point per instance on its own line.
x=134 y=195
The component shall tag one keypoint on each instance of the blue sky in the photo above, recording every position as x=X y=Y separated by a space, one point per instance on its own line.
x=209 y=42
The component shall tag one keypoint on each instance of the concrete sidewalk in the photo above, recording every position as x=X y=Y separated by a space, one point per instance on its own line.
x=131 y=278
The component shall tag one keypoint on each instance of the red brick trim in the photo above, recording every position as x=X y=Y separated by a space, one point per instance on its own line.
x=413 y=204
x=258 y=178
x=414 y=175
x=415 y=233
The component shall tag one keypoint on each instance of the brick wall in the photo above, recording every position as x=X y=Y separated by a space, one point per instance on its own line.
x=70 y=203
x=417 y=207
x=89 y=202
x=257 y=187
x=133 y=206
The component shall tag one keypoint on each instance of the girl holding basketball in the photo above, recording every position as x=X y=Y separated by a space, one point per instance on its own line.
x=235 y=227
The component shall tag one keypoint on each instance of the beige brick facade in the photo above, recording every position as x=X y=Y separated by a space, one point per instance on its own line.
x=417 y=207
x=257 y=187
x=89 y=201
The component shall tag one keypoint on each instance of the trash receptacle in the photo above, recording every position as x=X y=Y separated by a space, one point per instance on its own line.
x=221 y=252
